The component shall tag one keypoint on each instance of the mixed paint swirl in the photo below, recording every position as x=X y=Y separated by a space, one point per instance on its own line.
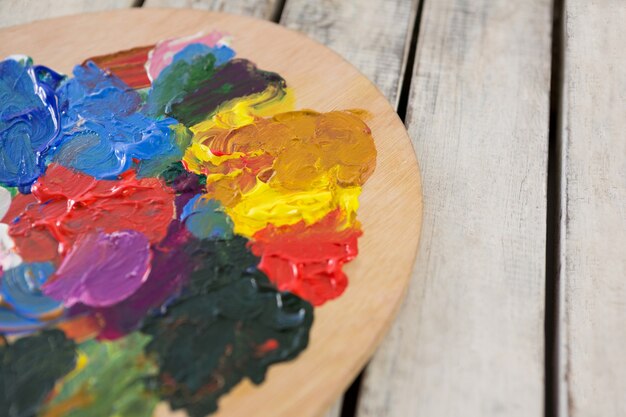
x=168 y=223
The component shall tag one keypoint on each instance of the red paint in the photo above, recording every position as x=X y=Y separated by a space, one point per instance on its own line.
x=18 y=204
x=66 y=204
x=268 y=346
x=127 y=65
x=307 y=260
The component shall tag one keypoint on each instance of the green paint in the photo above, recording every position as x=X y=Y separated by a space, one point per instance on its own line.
x=13 y=190
x=225 y=88
x=177 y=177
x=205 y=219
x=230 y=323
x=115 y=377
x=177 y=80
x=29 y=368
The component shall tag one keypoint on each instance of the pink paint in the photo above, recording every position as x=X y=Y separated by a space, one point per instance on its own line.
x=163 y=53
x=101 y=269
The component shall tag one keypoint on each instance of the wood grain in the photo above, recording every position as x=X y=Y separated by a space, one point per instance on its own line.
x=15 y=12
x=346 y=330
x=593 y=239
x=264 y=9
x=373 y=35
x=469 y=338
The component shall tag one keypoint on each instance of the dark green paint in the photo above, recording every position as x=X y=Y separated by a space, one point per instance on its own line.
x=211 y=337
x=30 y=367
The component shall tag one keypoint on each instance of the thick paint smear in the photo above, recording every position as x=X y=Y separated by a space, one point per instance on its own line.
x=167 y=223
x=20 y=291
x=128 y=66
x=296 y=166
x=119 y=390
x=307 y=260
x=101 y=269
x=30 y=368
x=230 y=324
x=29 y=120
x=69 y=204
x=164 y=52
x=236 y=78
x=171 y=266
x=103 y=131
x=205 y=220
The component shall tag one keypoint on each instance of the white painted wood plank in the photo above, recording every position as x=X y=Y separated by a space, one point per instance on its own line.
x=593 y=239
x=264 y=9
x=15 y=12
x=374 y=35
x=469 y=338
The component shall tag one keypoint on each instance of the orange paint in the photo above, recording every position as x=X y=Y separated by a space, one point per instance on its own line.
x=128 y=65
x=81 y=328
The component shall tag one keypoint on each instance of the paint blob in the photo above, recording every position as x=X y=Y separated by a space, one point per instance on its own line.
x=168 y=222
x=29 y=122
x=101 y=269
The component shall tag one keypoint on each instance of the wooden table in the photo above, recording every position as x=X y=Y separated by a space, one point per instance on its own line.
x=517 y=112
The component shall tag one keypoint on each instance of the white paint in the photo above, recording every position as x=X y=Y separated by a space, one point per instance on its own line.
x=8 y=258
x=5 y=201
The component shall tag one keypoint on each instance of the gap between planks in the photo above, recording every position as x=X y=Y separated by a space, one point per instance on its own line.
x=553 y=219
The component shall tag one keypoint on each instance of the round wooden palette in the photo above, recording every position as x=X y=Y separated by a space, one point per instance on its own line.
x=346 y=330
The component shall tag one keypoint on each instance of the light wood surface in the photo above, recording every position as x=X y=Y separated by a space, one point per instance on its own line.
x=15 y=12
x=345 y=331
x=373 y=35
x=264 y=9
x=593 y=244
x=469 y=338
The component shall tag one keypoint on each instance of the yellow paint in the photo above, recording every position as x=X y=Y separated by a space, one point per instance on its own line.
x=81 y=399
x=198 y=156
x=266 y=204
x=81 y=361
x=239 y=112
x=295 y=166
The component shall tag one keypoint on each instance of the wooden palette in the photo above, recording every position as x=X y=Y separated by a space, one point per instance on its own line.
x=346 y=330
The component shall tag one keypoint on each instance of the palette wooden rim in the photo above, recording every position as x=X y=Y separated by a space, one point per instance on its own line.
x=346 y=330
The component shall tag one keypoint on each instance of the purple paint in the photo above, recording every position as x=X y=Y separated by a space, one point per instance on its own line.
x=171 y=266
x=101 y=269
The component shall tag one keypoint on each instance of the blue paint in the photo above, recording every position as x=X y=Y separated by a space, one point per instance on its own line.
x=21 y=290
x=12 y=323
x=189 y=68
x=29 y=121
x=103 y=132
x=222 y=53
x=205 y=220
